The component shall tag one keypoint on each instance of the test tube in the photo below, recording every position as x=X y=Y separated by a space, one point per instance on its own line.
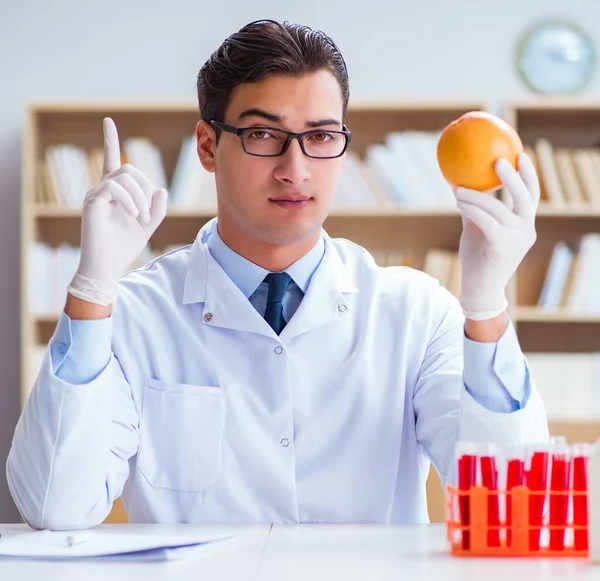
x=488 y=455
x=580 y=454
x=536 y=477
x=559 y=498
x=515 y=476
x=466 y=454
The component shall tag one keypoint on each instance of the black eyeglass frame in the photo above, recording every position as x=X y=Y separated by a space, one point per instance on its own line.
x=239 y=131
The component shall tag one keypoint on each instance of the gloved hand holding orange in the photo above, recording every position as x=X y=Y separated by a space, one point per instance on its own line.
x=480 y=153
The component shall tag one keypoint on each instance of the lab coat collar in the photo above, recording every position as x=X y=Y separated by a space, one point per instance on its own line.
x=327 y=297
x=248 y=276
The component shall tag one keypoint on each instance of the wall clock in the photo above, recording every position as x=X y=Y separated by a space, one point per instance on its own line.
x=556 y=58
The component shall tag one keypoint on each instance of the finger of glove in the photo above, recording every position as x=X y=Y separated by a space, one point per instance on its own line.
x=484 y=220
x=140 y=177
x=108 y=191
x=158 y=209
x=516 y=187
x=530 y=177
x=464 y=220
x=486 y=202
x=136 y=193
x=112 y=150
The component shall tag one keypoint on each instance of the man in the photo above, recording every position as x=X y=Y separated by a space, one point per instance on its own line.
x=267 y=373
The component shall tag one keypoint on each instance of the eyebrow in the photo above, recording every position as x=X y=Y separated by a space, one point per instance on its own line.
x=255 y=112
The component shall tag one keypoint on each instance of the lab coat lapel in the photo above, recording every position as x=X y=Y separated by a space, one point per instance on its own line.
x=328 y=298
x=224 y=303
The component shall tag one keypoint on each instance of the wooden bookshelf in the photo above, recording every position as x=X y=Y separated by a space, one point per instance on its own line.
x=386 y=228
x=569 y=124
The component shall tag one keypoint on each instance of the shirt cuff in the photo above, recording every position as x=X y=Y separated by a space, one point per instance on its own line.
x=80 y=350
x=496 y=374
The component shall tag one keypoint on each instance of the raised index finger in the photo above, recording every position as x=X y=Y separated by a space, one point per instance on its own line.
x=112 y=151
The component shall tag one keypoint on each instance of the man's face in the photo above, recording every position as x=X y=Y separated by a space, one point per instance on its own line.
x=285 y=199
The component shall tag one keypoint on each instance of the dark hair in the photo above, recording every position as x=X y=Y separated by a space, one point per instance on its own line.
x=262 y=48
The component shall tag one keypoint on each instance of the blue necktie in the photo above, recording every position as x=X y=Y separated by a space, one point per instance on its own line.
x=278 y=284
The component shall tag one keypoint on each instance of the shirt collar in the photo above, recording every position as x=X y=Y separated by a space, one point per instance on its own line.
x=248 y=276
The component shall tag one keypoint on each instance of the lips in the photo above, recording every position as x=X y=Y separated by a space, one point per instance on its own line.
x=290 y=198
x=291 y=201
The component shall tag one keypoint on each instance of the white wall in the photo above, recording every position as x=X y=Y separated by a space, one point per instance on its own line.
x=146 y=49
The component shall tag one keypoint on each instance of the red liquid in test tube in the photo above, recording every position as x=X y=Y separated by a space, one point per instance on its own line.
x=559 y=499
x=466 y=453
x=489 y=479
x=536 y=480
x=515 y=476
x=580 y=453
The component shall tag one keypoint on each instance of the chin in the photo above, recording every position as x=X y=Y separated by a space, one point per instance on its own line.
x=290 y=234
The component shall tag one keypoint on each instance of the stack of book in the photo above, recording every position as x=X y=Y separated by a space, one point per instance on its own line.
x=406 y=167
x=69 y=171
x=570 y=178
x=572 y=281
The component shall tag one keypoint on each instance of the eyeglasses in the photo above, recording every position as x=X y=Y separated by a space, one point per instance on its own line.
x=271 y=142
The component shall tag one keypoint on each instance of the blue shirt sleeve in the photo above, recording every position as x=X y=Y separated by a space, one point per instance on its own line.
x=80 y=350
x=496 y=375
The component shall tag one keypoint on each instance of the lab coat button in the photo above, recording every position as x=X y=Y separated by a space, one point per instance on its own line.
x=62 y=347
x=285 y=442
x=208 y=317
x=278 y=349
x=342 y=308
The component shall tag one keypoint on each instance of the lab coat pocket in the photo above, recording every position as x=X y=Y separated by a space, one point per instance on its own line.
x=181 y=435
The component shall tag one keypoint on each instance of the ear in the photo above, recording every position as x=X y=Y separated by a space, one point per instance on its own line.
x=206 y=145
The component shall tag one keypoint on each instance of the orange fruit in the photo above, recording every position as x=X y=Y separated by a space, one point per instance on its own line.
x=469 y=146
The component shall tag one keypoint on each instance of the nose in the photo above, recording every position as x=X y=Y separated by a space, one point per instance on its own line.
x=293 y=167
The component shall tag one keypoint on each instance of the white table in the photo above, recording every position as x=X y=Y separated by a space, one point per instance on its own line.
x=312 y=552
x=240 y=562
x=411 y=553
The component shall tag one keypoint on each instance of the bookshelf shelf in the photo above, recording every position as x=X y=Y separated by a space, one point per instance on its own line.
x=546 y=211
x=537 y=315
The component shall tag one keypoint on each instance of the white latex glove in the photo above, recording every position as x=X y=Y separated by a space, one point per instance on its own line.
x=118 y=218
x=495 y=238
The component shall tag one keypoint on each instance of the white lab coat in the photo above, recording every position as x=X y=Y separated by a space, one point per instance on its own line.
x=205 y=415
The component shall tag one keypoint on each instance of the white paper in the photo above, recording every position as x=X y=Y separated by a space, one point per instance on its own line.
x=102 y=544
